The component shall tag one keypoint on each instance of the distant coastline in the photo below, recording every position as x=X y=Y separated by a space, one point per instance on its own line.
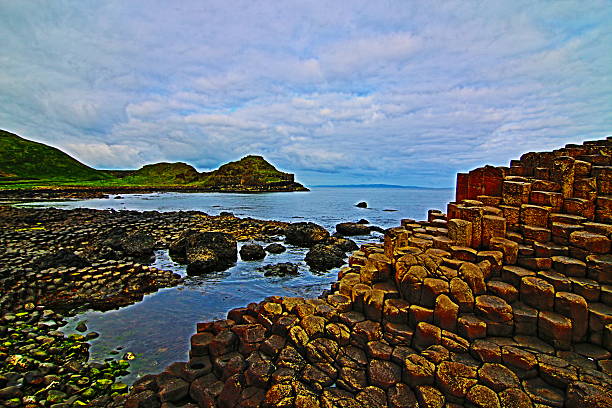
x=380 y=186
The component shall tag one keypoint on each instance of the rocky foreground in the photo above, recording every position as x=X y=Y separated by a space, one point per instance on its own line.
x=505 y=301
x=57 y=262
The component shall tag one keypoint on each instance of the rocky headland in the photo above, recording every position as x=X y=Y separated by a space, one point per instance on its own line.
x=31 y=170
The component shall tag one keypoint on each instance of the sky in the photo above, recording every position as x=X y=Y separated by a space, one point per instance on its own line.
x=352 y=92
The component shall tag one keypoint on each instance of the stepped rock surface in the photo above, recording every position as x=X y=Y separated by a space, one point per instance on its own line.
x=504 y=301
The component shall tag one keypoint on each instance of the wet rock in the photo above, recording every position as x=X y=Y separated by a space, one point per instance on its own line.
x=222 y=244
x=362 y=204
x=281 y=269
x=138 y=244
x=305 y=234
x=275 y=248
x=324 y=257
x=205 y=251
x=252 y=252
x=352 y=228
x=344 y=244
x=81 y=327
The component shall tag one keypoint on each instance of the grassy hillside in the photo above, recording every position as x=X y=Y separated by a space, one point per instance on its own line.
x=27 y=164
x=24 y=159
x=163 y=174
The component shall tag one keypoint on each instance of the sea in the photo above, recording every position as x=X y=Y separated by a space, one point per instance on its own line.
x=157 y=329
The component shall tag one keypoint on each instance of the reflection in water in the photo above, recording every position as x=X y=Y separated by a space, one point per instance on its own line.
x=158 y=328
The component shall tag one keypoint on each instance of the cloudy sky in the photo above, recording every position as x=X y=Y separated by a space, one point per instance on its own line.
x=402 y=92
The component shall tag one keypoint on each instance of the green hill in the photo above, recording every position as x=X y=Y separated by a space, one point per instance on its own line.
x=163 y=174
x=248 y=171
x=28 y=164
x=24 y=159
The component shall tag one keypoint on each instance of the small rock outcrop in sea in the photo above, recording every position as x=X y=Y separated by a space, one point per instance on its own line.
x=252 y=252
x=362 y=204
x=205 y=251
x=305 y=234
x=504 y=301
x=352 y=228
x=275 y=248
x=324 y=257
x=281 y=269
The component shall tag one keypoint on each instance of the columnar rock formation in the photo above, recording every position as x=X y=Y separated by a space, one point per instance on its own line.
x=504 y=302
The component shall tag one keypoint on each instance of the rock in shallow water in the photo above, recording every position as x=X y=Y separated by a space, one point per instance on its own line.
x=281 y=269
x=252 y=252
x=205 y=251
x=324 y=257
x=275 y=248
x=352 y=228
x=305 y=234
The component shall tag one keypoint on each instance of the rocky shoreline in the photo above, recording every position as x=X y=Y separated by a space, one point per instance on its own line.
x=84 y=193
x=504 y=301
x=58 y=261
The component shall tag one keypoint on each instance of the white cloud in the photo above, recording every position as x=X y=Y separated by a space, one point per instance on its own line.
x=398 y=92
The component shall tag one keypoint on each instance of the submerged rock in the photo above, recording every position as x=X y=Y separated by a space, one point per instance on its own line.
x=281 y=269
x=81 y=327
x=305 y=234
x=252 y=252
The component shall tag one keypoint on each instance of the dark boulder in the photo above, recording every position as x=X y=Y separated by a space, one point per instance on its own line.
x=324 y=257
x=281 y=269
x=275 y=248
x=252 y=252
x=202 y=260
x=363 y=221
x=344 y=244
x=138 y=244
x=352 y=228
x=362 y=204
x=204 y=251
x=305 y=234
x=62 y=257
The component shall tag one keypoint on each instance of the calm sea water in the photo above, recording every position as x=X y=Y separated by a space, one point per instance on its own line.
x=158 y=328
